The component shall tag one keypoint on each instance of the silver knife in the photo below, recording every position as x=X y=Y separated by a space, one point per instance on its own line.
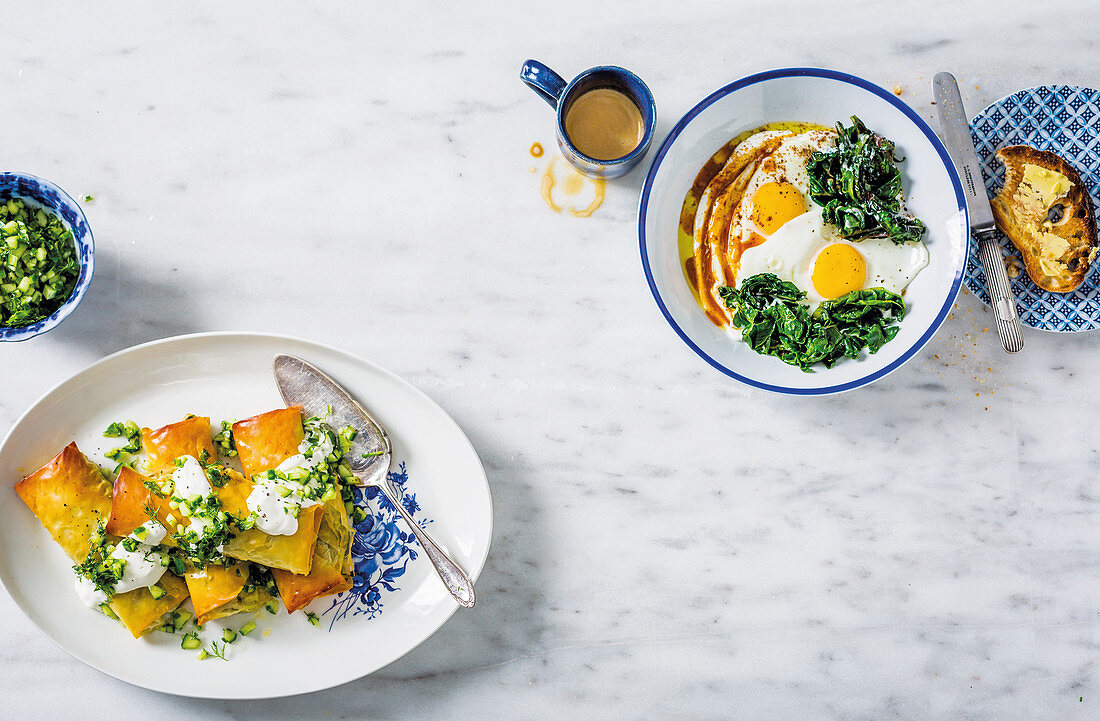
x=302 y=384
x=960 y=144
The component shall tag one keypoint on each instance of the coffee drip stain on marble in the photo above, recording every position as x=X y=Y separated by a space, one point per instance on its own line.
x=566 y=190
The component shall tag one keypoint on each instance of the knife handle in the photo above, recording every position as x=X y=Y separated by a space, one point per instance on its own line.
x=1000 y=296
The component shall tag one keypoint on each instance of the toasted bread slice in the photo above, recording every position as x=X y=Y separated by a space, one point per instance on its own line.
x=1056 y=254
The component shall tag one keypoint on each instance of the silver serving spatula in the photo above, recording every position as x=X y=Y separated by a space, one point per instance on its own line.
x=302 y=384
x=956 y=136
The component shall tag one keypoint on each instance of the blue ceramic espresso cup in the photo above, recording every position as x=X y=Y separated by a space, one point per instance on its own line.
x=562 y=96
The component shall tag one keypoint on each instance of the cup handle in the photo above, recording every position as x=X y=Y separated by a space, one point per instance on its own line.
x=545 y=82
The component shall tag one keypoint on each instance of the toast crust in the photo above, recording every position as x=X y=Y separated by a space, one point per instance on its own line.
x=1057 y=255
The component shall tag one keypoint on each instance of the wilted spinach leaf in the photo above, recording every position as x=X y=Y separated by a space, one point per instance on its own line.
x=774 y=321
x=858 y=185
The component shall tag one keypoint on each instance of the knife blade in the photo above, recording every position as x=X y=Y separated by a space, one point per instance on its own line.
x=960 y=145
x=303 y=384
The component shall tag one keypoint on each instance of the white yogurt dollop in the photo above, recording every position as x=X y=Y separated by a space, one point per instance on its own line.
x=276 y=514
x=275 y=502
x=89 y=594
x=190 y=479
x=143 y=567
x=309 y=457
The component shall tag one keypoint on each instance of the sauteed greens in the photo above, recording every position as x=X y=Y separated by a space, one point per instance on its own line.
x=774 y=321
x=858 y=185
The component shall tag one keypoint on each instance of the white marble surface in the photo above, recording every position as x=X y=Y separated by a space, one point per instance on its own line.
x=668 y=543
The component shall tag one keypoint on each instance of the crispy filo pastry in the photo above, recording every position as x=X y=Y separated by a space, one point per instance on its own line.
x=131 y=500
x=332 y=571
x=69 y=496
x=265 y=441
x=141 y=613
x=220 y=591
x=189 y=437
x=292 y=553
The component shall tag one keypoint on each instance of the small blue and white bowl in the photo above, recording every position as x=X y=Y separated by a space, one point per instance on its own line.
x=933 y=193
x=57 y=201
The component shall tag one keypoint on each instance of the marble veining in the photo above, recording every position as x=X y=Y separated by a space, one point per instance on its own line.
x=667 y=543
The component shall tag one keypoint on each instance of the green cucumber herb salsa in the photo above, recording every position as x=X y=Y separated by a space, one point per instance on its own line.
x=774 y=320
x=38 y=263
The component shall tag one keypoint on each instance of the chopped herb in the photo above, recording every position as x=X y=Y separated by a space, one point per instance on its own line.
x=261 y=577
x=216 y=650
x=38 y=263
x=174 y=622
x=371 y=454
x=858 y=185
x=132 y=433
x=98 y=567
x=218 y=475
x=88 y=198
x=312 y=618
x=178 y=567
x=224 y=440
x=774 y=321
x=128 y=463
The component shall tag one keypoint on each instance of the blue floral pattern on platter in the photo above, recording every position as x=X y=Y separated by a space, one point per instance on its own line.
x=1063 y=119
x=381 y=550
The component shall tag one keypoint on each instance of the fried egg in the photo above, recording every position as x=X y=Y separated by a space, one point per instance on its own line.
x=778 y=190
x=812 y=255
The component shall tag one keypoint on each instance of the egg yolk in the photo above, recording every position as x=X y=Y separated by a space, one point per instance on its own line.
x=839 y=269
x=774 y=204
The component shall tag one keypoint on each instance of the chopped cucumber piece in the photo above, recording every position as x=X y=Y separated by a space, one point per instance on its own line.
x=248 y=628
x=36 y=249
x=190 y=642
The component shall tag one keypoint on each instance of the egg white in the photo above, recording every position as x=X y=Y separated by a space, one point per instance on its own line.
x=790 y=253
x=787 y=164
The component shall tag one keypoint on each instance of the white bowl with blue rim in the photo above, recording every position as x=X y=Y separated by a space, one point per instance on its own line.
x=933 y=192
x=52 y=198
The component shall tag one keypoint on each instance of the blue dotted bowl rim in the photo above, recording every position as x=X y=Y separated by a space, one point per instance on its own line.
x=975 y=283
x=87 y=267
